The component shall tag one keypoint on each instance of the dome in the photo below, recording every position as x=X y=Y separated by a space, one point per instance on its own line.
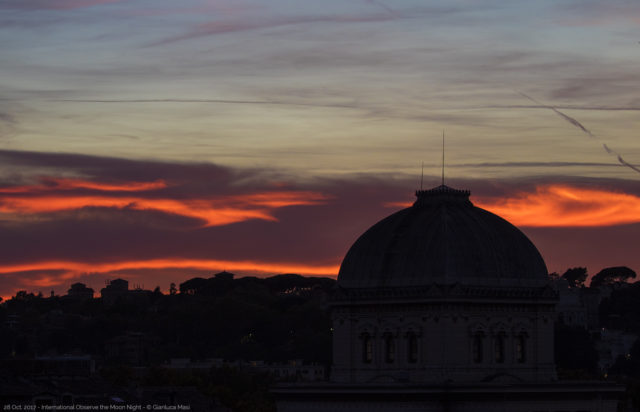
x=443 y=239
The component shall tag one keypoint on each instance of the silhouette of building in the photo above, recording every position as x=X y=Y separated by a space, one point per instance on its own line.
x=80 y=291
x=444 y=306
x=115 y=290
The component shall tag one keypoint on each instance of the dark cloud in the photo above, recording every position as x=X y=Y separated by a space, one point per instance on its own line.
x=118 y=169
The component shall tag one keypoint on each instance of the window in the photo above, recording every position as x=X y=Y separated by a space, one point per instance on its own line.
x=367 y=348
x=477 y=347
x=389 y=348
x=521 y=348
x=499 y=348
x=412 y=347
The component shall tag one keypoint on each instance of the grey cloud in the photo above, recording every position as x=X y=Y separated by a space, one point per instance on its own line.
x=380 y=4
x=7 y=118
x=534 y=164
x=563 y=107
x=52 y=4
x=222 y=27
x=601 y=82
x=8 y=125
x=218 y=101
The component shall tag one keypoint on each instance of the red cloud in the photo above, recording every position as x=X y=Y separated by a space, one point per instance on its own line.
x=560 y=206
x=566 y=206
x=214 y=211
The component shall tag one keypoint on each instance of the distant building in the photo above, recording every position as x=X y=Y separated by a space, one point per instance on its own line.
x=570 y=308
x=65 y=365
x=444 y=306
x=130 y=349
x=612 y=345
x=116 y=289
x=291 y=371
x=294 y=371
x=60 y=366
x=80 y=291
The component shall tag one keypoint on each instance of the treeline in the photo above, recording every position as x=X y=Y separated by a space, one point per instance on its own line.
x=273 y=319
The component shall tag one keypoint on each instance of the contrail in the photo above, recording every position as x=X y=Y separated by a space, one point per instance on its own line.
x=585 y=130
x=559 y=113
x=625 y=163
x=381 y=4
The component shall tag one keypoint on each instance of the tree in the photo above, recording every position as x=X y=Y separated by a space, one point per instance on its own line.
x=575 y=276
x=172 y=289
x=575 y=349
x=608 y=276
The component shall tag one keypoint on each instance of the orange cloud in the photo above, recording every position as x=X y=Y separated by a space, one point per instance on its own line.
x=560 y=206
x=174 y=263
x=215 y=211
x=122 y=187
x=565 y=206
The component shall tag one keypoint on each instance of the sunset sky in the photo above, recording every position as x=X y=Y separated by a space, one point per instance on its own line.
x=157 y=140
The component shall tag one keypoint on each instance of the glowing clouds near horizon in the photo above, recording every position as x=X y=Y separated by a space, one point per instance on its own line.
x=560 y=206
x=24 y=204
x=72 y=269
x=565 y=206
x=212 y=210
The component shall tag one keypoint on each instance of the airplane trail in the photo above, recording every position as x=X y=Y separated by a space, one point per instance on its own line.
x=381 y=4
x=559 y=113
x=579 y=125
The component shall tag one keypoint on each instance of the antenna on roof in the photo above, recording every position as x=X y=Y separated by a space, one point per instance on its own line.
x=422 y=175
x=442 y=157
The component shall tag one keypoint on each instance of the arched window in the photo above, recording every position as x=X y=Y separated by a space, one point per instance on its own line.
x=521 y=348
x=389 y=348
x=367 y=348
x=499 y=347
x=412 y=347
x=477 y=347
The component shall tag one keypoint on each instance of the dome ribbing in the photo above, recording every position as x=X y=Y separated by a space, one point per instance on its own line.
x=443 y=238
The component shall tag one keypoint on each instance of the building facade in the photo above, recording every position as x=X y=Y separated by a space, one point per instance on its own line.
x=444 y=306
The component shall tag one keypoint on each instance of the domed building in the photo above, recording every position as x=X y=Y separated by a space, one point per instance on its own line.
x=444 y=306
x=443 y=291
